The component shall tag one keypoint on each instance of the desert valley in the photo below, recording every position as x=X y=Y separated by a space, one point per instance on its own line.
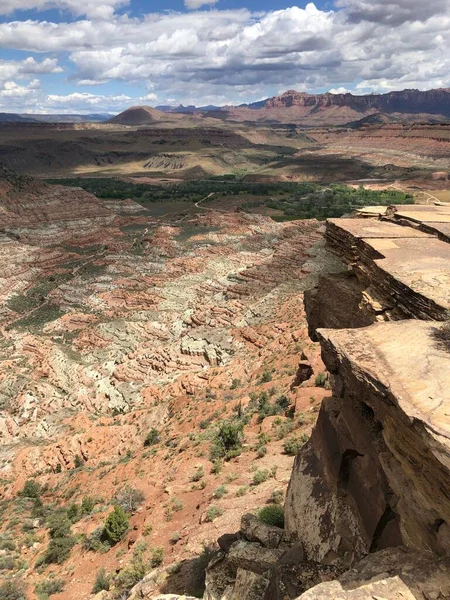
x=227 y=320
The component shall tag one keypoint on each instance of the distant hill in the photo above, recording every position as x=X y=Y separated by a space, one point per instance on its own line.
x=13 y=118
x=56 y=118
x=139 y=115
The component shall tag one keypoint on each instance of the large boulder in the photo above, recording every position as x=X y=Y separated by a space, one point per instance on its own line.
x=255 y=531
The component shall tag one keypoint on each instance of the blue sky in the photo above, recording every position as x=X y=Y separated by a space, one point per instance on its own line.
x=105 y=55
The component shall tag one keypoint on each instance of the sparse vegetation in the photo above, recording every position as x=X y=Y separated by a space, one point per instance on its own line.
x=31 y=489
x=260 y=476
x=129 y=499
x=12 y=590
x=212 y=513
x=102 y=582
x=321 y=379
x=153 y=437
x=442 y=336
x=47 y=588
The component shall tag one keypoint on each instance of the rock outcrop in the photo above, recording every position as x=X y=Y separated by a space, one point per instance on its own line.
x=367 y=512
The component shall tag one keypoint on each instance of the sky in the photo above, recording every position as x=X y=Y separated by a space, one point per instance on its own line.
x=95 y=56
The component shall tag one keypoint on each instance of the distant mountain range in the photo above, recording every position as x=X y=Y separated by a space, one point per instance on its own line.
x=39 y=118
x=335 y=109
x=294 y=107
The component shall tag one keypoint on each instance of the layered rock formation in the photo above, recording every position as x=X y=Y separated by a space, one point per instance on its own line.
x=339 y=109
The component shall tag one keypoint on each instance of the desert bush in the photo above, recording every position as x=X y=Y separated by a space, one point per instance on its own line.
x=321 y=380
x=277 y=497
x=102 y=582
x=292 y=445
x=260 y=476
x=129 y=498
x=220 y=491
x=228 y=440
x=78 y=461
x=198 y=474
x=74 y=513
x=273 y=514
x=212 y=513
x=87 y=505
x=47 y=588
x=261 y=451
x=116 y=525
x=156 y=558
x=442 y=336
x=62 y=541
x=95 y=541
x=175 y=538
x=12 y=590
x=58 y=550
x=153 y=437
x=31 y=489
x=242 y=491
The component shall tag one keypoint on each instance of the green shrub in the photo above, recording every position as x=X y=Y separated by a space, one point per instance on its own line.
x=95 y=541
x=74 y=513
x=58 y=550
x=48 y=588
x=116 y=525
x=157 y=557
x=228 y=440
x=277 y=497
x=153 y=437
x=292 y=446
x=59 y=525
x=12 y=590
x=102 y=582
x=220 y=491
x=199 y=472
x=321 y=380
x=31 y=489
x=266 y=376
x=78 y=461
x=217 y=466
x=260 y=476
x=261 y=451
x=87 y=505
x=212 y=513
x=175 y=538
x=242 y=491
x=273 y=514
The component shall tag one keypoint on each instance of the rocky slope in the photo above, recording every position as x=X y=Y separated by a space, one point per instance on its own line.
x=116 y=324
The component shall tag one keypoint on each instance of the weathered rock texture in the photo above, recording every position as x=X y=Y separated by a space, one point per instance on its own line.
x=393 y=574
x=376 y=471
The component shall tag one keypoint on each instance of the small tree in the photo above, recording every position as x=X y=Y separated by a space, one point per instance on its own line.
x=116 y=525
